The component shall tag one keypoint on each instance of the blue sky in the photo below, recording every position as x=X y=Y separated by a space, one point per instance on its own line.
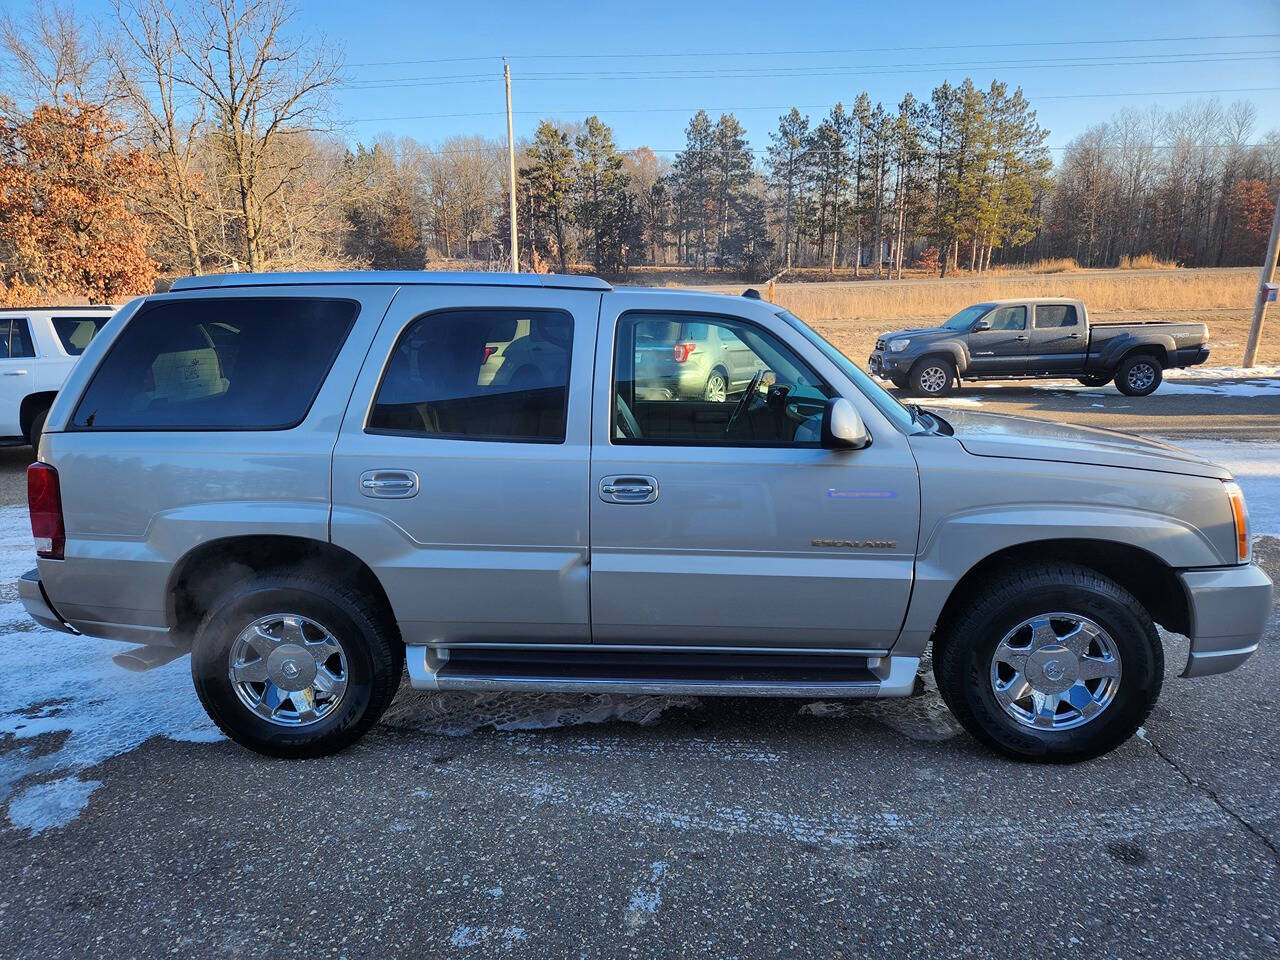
x=948 y=41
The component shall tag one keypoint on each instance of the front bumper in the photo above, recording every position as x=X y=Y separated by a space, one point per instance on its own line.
x=886 y=365
x=1230 y=607
x=33 y=597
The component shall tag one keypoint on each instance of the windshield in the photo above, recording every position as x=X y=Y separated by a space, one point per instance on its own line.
x=964 y=319
x=885 y=402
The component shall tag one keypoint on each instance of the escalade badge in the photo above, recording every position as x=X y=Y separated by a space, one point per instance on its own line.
x=855 y=544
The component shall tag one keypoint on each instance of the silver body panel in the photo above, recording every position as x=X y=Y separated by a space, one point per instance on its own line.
x=498 y=544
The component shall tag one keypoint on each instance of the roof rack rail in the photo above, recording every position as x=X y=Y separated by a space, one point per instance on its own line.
x=400 y=277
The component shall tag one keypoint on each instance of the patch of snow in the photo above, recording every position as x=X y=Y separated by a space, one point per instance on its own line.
x=52 y=804
x=1225 y=373
x=1256 y=467
x=647 y=897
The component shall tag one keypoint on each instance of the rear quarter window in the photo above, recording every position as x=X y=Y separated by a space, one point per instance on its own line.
x=217 y=364
x=74 y=333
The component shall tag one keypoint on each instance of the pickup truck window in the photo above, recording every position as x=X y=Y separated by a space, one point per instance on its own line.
x=213 y=363
x=479 y=375
x=16 y=335
x=965 y=318
x=738 y=386
x=1009 y=318
x=1050 y=315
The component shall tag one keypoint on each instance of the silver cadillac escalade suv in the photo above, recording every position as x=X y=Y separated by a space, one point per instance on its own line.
x=311 y=480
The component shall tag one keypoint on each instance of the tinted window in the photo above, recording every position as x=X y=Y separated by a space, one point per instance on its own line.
x=15 y=335
x=228 y=364
x=76 y=332
x=1009 y=318
x=479 y=375
x=1055 y=315
x=667 y=393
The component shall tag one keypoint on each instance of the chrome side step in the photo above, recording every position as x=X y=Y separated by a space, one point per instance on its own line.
x=590 y=670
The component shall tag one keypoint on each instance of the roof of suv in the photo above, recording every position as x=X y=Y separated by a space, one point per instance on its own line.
x=59 y=308
x=402 y=277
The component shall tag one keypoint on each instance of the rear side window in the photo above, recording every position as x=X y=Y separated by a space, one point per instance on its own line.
x=15 y=339
x=76 y=332
x=1055 y=315
x=217 y=364
x=479 y=375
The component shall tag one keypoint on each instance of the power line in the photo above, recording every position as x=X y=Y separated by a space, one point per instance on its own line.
x=832 y=52
x=590 y=111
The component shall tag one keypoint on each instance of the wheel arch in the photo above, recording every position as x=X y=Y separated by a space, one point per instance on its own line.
x=207 y=570
x=31 y=405
x=1150 y=579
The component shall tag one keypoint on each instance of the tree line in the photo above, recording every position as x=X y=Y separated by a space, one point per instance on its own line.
x=176 y=137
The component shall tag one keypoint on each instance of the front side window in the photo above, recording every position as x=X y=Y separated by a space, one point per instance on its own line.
x=76 y=332
x=1052 y=315
x=1009 y=318
x=16 y=336
x=479 y=375
x=737 y=385
x=216 y=364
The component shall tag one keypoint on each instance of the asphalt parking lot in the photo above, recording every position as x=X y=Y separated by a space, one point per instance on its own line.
x=548 y=826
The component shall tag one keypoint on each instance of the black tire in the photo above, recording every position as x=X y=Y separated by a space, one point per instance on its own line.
x=720 y=376
x=932 y=377
x=964 y=650
x=1139 y=375
x=369 y=640
x=1095 y=380
x=37 y=428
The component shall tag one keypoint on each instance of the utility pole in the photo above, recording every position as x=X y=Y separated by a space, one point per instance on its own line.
x=1267 y=276
x=511 y=171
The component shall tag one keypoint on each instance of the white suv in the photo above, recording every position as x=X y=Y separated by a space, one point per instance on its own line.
x=38 y=348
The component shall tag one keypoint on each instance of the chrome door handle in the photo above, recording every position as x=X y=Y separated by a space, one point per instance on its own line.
x=15 y=373
x=1021 y=339
x=389 y=484
x=623 y=489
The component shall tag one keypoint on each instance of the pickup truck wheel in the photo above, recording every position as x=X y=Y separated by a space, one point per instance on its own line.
x=1139 y=375
x=1052 y=663
x=932 y=377
x=292 y=666
x=1096 y=380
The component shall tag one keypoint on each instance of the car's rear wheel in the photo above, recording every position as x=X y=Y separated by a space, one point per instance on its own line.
x=37 y=427
x=1139 y=375
x=717 y=388
x=932 y=377
x=292 y=666
x=1053 y=663
x=1095 y=380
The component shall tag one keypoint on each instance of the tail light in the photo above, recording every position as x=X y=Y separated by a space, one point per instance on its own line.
x=1240 y=514
x=682 y=351
x=44 y=500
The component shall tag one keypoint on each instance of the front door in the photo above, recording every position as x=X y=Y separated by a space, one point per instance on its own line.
x=1002 y=348
x=726 y=524
x=18 y=372
x=462 y=481
x=1058 y=338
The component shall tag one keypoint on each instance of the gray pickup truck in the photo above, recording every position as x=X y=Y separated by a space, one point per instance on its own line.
x=1036 y=339
x=310 y=481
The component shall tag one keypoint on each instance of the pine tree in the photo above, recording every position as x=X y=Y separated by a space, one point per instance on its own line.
x=787 y=162
x=551 y=176
x=694 y=175
x=599 y=183
x=732 y=172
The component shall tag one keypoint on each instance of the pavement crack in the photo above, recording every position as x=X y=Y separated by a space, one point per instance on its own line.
x=1212 y=794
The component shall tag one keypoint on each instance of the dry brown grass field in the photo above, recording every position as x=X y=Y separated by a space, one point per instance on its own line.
x=852 y=313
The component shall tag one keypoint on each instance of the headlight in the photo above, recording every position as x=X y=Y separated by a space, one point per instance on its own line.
x=1240 y=514
x=897 y=346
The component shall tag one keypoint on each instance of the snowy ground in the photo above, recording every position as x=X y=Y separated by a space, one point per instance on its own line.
x=1260 y=381
x=65 y=707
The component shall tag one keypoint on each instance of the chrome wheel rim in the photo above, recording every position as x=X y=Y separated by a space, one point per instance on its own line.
x=717 y=390
x=1055 y=671
x=288 y=669
x=1141 y=376
x=933 y=379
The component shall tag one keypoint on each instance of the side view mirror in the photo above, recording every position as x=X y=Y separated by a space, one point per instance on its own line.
x=842 y=427
x=981 y=325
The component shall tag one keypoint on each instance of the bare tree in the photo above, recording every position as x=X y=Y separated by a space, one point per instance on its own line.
x=261 y=87
x=50 y=57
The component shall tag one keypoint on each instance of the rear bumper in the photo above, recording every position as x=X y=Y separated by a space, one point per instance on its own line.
x=33 y=597
x=1189 y=356
x=1230 y=607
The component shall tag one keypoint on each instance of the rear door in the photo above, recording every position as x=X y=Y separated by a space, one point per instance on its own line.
x=464 y=485
x=1002 y=348
x=1058 y=338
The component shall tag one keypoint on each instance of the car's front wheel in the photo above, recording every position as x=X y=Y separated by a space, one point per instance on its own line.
x=932 y=377
x=292 y=666
x=1052 y=663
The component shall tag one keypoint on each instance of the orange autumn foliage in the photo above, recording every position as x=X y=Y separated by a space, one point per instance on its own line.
x=66 y=229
